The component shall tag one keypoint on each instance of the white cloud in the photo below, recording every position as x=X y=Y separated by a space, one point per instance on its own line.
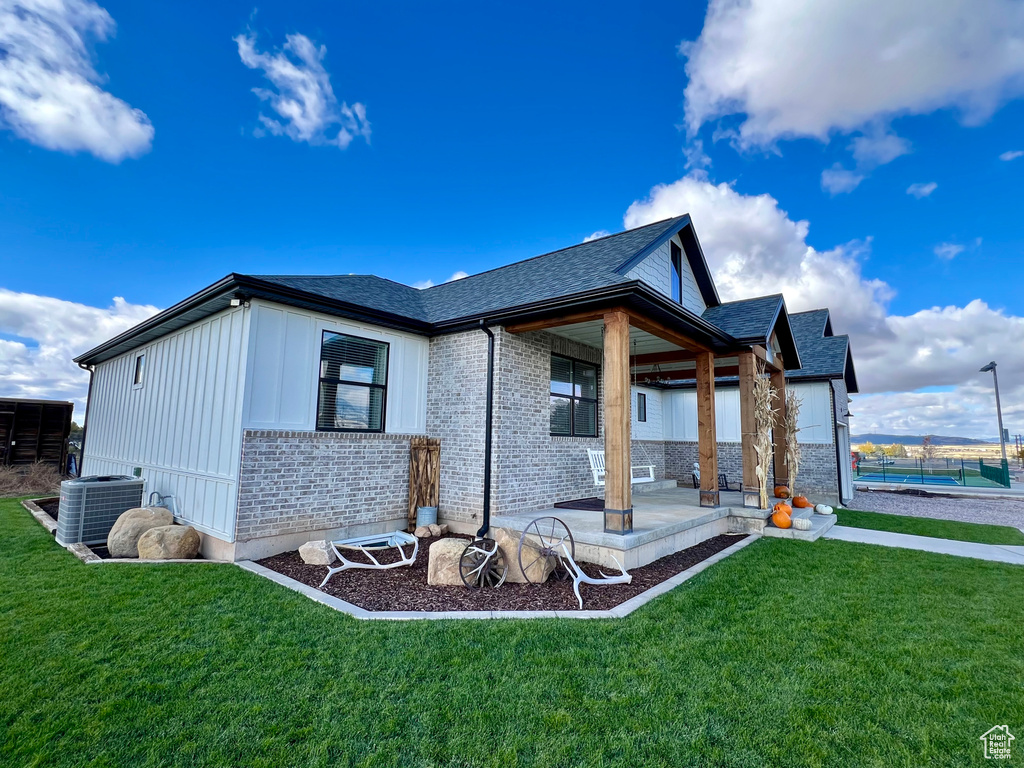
x=754 y=248
x=50 y=92
x=430 y=283
x=792 y=68
x=837 y=180
x=596 y=235
x=49 y=333
x=922 y=190
x=302 y=97
x=949 y=251
x=1011 y=155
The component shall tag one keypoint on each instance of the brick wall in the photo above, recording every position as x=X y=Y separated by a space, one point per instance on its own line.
x=680 y=456
x=456 y=410
x=292 y=482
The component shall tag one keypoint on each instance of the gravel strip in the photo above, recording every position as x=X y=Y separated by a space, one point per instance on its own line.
x=406 y=589
x=967 y=510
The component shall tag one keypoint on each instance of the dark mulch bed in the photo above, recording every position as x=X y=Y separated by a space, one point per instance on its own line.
x=406 y=588
x=49 y=507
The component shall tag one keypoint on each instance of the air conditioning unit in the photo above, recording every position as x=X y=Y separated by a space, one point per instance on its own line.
x=89 y=506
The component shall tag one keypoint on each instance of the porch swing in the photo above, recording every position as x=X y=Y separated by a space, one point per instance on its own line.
x=641 y=473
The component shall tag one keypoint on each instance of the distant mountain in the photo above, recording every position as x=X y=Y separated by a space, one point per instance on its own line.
x=916 y=440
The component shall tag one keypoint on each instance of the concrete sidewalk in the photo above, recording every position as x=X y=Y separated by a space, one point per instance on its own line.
x=994 y=552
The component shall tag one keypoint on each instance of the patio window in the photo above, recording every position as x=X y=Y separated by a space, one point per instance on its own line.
x=677 y=273
x=573 y=397
x=641 y=406
x=353 y=384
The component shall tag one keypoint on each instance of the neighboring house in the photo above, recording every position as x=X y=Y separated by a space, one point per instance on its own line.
x=277 y=409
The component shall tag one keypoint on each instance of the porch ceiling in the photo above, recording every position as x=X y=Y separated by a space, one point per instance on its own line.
x=590 y=333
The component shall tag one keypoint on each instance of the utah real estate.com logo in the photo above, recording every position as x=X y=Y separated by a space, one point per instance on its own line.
x=997 y=741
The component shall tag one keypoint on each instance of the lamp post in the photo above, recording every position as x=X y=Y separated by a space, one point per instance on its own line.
x=999 y=410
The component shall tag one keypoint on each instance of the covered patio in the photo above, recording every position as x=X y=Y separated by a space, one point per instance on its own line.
x=658 y=346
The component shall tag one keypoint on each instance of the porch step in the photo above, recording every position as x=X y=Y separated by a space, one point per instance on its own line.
x=819 y=525
x=657 y=485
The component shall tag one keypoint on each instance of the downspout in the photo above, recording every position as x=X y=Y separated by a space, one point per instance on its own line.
x=486 y=522
x=835 y=439
x=85 y=425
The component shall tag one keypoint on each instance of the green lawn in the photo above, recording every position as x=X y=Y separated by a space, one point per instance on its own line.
x=787 y=654
x=927 y=526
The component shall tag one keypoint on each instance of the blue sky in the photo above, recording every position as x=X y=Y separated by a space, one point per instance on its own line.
x=501 y=131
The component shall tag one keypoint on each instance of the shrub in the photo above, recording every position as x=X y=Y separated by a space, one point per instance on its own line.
x=35 y=478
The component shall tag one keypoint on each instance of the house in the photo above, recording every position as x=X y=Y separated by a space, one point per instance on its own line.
x=278 y=409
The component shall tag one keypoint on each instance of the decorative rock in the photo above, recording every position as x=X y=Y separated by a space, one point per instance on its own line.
x=538 y=571
x=169 y=542
x=444 y=529
x=123 y=539
x=802 y=523
x=317 y=553
x=435 y=529
x=423 y=532
x=443 y=562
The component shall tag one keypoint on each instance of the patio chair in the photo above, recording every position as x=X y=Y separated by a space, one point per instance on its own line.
x=638 y=474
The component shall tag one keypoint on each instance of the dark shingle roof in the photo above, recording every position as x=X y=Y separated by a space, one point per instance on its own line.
x=748 y=318
x=579 y=268
x=809 y=325
x=821 y=356
x=361 y=290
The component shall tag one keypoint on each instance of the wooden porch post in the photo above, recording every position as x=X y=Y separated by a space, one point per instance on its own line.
x=748 y=430
x=779 y=433
x=618 y=500
x=707 y=436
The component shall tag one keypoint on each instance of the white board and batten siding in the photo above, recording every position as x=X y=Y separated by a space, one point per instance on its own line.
x=284 y=362
x=656 y=271
x=181 y=424
x=815 y=420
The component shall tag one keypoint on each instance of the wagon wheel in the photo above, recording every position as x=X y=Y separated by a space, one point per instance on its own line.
x=483 y=564
x=544 y=538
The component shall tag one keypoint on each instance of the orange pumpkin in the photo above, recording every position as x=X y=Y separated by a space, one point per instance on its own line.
x=781 y=518
x=801 y=502
x=783 y=507
x=781 y=492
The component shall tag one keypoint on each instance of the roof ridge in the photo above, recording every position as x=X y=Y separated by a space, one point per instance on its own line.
x=552 y=253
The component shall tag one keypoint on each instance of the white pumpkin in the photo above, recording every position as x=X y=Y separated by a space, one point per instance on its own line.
x=823 y=509
x=802 y=523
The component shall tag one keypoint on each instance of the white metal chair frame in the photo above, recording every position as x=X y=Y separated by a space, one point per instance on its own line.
x=638 y=474
x=368 y=545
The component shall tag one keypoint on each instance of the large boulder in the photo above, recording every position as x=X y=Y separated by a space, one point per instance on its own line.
x=123 y=539
x=537 y=568
x=443 y=562
x=317 y=553
x=169 y=542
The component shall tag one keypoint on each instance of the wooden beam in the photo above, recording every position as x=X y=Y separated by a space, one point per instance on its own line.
x=660 y=358
x=707 y=436
x=748 y=430
x=618 y=500
x=762 y=354
x=555 y=322
x=685 y=375
x=779 y=433
x=655 y=328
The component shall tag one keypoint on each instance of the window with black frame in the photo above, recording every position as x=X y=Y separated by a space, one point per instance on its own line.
x=353 y=384
x=573 y=397
x=641 y=406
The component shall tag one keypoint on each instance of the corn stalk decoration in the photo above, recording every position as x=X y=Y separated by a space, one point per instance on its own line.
x=764 y=420
x=792 y=446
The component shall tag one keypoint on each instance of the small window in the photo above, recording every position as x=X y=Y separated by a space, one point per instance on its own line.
x=140 y=370
x=573 y=397
x=353 y=384
x=677 y=273
x=641 y=406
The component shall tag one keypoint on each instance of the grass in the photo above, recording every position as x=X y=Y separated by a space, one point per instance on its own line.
x=927 y=526
x=785 y=654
